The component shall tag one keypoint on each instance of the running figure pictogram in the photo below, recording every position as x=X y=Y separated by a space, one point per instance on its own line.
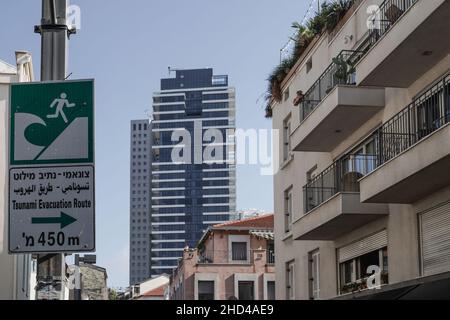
x=60 y=104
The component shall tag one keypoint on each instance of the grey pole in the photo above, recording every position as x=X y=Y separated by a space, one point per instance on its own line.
x=77 y=290
x=54 y=40
x=54 y=48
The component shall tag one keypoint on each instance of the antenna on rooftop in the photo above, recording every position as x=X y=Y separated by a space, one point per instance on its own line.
x=172 y=70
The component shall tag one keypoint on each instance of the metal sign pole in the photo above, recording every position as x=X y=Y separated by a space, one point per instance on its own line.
x=77 y=290
x=54 y=41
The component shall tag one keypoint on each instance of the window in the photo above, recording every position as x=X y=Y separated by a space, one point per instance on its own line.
x=246 y=290
x=286 y=94
x=290 y=278
x=271 y=290
x=363 y=159
x=206 y=290
x=309 y=65
x=239 y=251
x=270 y=252
x=288 y=210
x=311 y=174
x=287 y=138
x=314 y=278
x=355 y=272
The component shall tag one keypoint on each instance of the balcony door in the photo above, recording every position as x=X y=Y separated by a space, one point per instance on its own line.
x=239 y=249
x=246 y=290
x=206 y=290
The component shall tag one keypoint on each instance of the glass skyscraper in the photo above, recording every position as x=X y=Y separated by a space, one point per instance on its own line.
x=193 y=172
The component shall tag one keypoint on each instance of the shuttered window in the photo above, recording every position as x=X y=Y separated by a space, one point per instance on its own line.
x=366 y=245
x=435 y=240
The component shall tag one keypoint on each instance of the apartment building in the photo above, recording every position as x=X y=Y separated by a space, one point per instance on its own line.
x=362 y=197
x=233 y=261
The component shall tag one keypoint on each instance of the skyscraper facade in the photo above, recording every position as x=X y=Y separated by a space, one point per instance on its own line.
x=140 y=197
x=193 y=176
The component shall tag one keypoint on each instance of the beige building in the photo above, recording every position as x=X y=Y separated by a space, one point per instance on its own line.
x=233 y=261
x=151 y=289
x=18 y=272
x=94 y=282
x=362 y=197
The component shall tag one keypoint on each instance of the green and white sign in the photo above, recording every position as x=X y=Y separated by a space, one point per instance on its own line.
x=52 y=173
x=52 y=123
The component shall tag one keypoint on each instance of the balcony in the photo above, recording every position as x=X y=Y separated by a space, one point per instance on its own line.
x=214 y=257
x=407 y=38
x=332 y=201
x=332 y=101
x=344 y=110
x=414 y=151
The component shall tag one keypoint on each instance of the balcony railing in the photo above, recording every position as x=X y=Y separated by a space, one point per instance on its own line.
x=270 y=257
x=340 y=72
x=341 y=176
x=389 y=12
x=232 y=257
x=422 y=117
x=426 y=114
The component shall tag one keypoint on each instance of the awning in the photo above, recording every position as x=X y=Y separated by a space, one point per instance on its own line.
x=265 y=234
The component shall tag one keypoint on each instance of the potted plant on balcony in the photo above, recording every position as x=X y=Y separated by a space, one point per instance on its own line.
x=326 y=19
x=353 y=287
x=344 y=69
x=335 y=11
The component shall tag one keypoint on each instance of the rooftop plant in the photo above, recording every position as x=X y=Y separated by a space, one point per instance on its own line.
x=326 y=20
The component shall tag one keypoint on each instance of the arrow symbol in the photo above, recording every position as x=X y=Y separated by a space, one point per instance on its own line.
x=64 y=220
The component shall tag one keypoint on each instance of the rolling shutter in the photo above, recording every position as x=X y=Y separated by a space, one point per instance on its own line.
x=435 y=240
x=366 y=245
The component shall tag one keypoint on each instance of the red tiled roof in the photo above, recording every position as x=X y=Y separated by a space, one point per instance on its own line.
x=157 y=292
x=261 y=222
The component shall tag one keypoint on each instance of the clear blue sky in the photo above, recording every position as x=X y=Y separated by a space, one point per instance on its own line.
x=127 y=46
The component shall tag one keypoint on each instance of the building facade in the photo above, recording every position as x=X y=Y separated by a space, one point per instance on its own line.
x=233 y=261
x=151 y=289
x=362 y=197
x=18 y=272
x=140 y=200
x=193 y=167
x=94 y=282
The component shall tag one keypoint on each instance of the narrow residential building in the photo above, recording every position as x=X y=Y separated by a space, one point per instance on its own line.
x=233 y=261
x=362 y=195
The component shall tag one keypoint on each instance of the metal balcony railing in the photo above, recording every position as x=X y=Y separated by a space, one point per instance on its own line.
x=270 y=257
x=426 y=114
x=341 y=176
x=232 y=257
x=340 y=72
x=389 y=12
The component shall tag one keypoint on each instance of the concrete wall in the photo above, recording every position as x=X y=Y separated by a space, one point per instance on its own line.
x=7 y=262
x=402 y=225
x=154 y=283
x=12 y=285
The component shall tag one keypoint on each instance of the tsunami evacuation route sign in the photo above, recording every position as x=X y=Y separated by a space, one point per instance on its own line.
x=51 y=167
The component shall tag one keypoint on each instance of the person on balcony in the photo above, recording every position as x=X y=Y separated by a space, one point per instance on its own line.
x=299 y=99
